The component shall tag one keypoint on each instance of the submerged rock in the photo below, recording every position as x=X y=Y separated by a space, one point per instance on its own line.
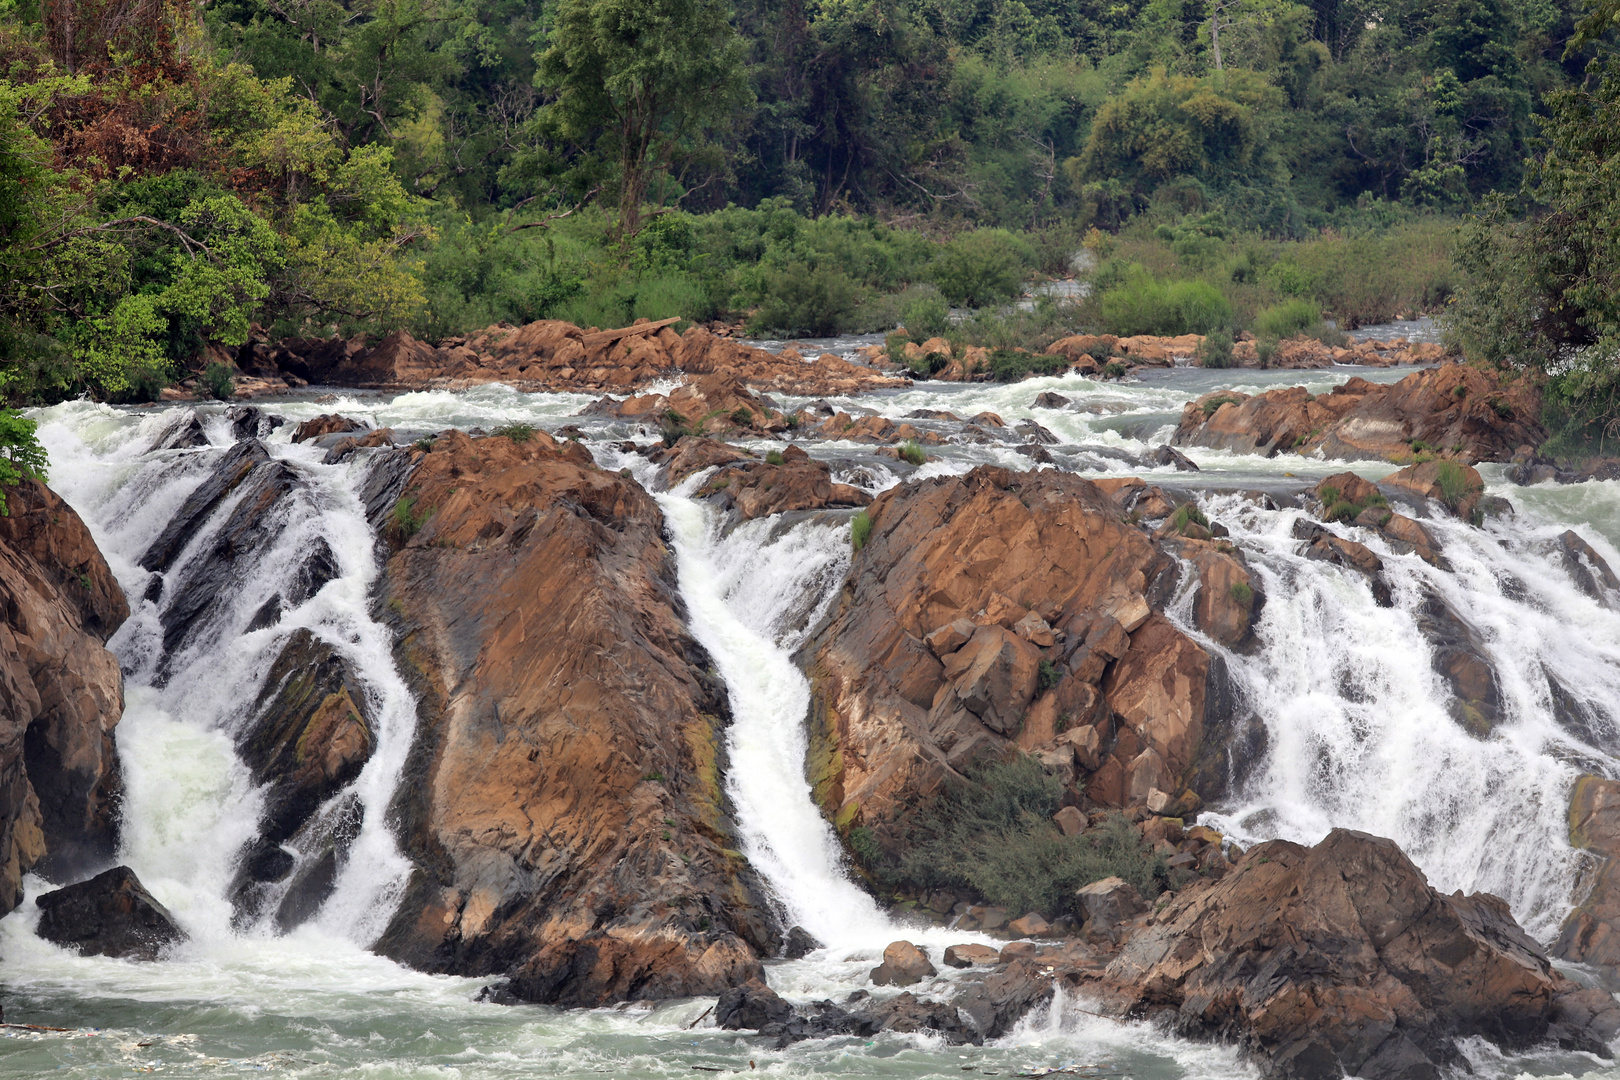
x=112 y=914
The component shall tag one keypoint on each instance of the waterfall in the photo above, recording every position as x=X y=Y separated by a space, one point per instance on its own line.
x=191 y=679
x=1358 y=722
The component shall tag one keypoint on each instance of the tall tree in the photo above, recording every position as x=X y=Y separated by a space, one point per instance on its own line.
x=636 y=82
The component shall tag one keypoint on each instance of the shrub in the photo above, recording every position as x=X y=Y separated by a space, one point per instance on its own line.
x=774 y=457
x=982 y=267
x=805 y=302
x=1113 y=370
x=994 y=834
x=518 y=433
x=21 y=455
x=1264 y=350
x=860 y=529
x=910 y=451
x=1213 y=404
x=1286 y=319
x=1049 y=674
x=216 y=380
x=1187 y=514
x=1455 y=487
x=1241 y=593
x=1006 y=365
x=1144 y=305
x=1215 y=351
x=924 y=313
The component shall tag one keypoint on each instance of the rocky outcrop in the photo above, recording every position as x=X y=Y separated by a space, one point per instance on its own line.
x=558 y=356
x=563 y=801
x=719 y=404
x=758 y=489
x=1591 y=933
x=994 y=611
x=326 y=424
x=111 y=914
x=1342 y=960
x=1463 y=412
x=61 y=694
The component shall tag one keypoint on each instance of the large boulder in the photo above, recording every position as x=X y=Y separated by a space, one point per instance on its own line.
x=61 y=694
x=1342 y=960
x=932 y=660
x=564 y=801
x=111 y=914
x=903 y=965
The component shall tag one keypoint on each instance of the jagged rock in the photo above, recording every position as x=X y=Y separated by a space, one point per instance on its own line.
x=750 y=1006
x=112 y=914
x=325 y=424
x=308 y=739
x=1108 y=905
x=1483 y=414
x=1591 y=933
x=1169 y=455
x=1030 y=431
x=61 y=693
x=1587 y=567
x=251 y=422
x=1031 y=925
x=565 y=812
x=1456 y=487
x=185 y=432
x=1049 y=400
x=1460 y=657
x=759 y=489
x=799 y=943
x=692 y=454
x=902 y=701
x=1341 y=959
x=1224 y=604
x=1069 y=820
x=343 y=448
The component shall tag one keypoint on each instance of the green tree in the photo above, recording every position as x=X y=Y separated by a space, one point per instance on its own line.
x=639 y=83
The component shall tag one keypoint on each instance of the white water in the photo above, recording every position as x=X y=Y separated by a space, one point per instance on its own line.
x=1358 y=726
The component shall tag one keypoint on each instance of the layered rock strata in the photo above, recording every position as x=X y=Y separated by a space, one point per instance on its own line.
x=563 y=801
x=61 y=694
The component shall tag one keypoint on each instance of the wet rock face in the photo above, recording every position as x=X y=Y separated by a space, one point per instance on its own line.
x=999 y=610
x=1467 y=412
x=1591 y=934
x=112 y=914
x=1342 y=960
x=563 y=802
x=61 y=694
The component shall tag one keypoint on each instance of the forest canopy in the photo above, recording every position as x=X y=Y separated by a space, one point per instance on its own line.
x=177 y=177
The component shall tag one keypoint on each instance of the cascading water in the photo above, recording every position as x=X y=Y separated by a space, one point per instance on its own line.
x=1358 y=727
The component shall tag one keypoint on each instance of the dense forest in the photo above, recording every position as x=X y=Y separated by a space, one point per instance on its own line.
x=176 y=175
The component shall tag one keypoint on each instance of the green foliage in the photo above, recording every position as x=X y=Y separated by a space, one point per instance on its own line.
x=802 y=301
x=21 y=455
x=1144 y=305
x=774 y=457
x=1455 y=486
x=1242 y=593
x=1215 y=403
x=217 y=381
x=912 y=453
x=994 y=835
x=1006 y=365
x=406 y=519
x=860 y=529
x=1049 y=675
x=1286 y=320
x=518 y=433
x=925 y=314
x=1187 y=514
x=982 y=267
x=1215 y=351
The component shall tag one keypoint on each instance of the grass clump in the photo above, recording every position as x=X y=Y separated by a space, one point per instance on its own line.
x=860 y=529
x=518 y=433
x=1049 y=675
x=994 y=834
x=407 y=520
x=1242 y=593
x=1187 y=514
x=1211 y=406
x=1455 y=486
x=911 y=452
x=774 y=457
x=1335 y=507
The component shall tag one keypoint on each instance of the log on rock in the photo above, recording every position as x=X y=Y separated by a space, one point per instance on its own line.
x=112 y=914
x=1342 y=960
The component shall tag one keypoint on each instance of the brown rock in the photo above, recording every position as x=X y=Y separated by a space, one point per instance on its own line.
x=903 y=965
x=1591 y=933
x=1035 y=630
x=1587 y=567
x=1347 y=486
x=1070 y=821
x=1031 y=925
x=946 y=639
x=1456 y=487
x=1087 y=746
x=692 y=454
x=61 y=693
x=1341 y=957
x=1108 y=905
x=325 y=424
x=1224 y=602
x=962 y=956
x=565 y=813
x=1016 y=950
x=759 y=489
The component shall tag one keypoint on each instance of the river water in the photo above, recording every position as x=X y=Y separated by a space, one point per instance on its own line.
x=1358 y=733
